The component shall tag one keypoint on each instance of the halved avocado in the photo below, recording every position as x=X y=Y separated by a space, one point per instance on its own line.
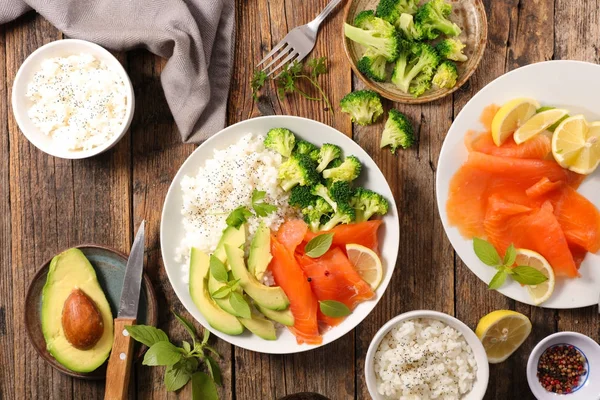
x=273 y=298
x=69 y=271
x=260 y=326
x=284 y=317
x=216 y=317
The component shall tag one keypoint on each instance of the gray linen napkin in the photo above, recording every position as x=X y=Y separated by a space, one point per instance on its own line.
x=197 y=36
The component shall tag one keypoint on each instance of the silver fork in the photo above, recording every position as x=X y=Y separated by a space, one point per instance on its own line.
x=298 y=42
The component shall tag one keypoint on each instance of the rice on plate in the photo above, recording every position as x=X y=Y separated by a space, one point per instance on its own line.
x=424 y=359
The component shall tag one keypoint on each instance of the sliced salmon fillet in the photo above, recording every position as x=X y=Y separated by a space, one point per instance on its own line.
x=487 y=116
x=363 y=233
x=534 y=229
x=303 y=304
x=537 y=147
x=332 y=277
x=543 y=187
x=291 y=233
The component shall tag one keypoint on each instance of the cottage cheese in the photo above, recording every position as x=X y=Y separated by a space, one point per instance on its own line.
x=77 y=100
x=424 y=359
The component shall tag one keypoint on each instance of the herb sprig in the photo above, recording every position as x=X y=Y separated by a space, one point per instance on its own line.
x=241 y=214
x=181 y=363
x=523 y=274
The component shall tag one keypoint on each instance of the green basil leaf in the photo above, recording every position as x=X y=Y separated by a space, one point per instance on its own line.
x=498 y=280
x=217 y=269
x=147 y=335
x=510 y=256
x=176 y=376
x=186 y=324
x=238 y=217
x=334 y=309
x=486 y=252
x=212 y=350
x=239 y=305
x=162 y=353
x=205 y=336
x=233 y=285
x=203 y=387
x=221 y=292
x=528 y=275
x=318 y=245
x=214 y=370
x=186 y=346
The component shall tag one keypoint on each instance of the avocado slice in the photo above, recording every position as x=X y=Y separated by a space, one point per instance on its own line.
x=260 y=326
x=216 y=317
x=273 y=298
x=213 y=285
x=260 y=251
x=69 y=271
x=284 y=317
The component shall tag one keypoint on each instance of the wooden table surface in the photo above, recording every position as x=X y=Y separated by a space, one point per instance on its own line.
x=49 y=204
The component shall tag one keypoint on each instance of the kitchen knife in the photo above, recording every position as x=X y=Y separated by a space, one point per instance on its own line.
x=119 y=363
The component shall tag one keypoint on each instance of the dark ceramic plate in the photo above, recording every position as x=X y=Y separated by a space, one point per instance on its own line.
x=110 y=268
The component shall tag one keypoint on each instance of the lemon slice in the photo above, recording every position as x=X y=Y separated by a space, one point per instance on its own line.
x=510 y=117
x=367 y=264
x=538 y=123
x=576 y=145
x=502 y=332
x=543 y=291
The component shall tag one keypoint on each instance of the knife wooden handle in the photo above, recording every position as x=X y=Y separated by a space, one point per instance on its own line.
x=119 y=363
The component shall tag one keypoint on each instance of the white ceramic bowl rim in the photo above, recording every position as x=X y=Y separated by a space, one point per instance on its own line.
x=481 y=382
x=39 y=139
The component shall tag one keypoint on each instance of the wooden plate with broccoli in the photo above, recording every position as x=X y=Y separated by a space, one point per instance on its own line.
x=412 y=51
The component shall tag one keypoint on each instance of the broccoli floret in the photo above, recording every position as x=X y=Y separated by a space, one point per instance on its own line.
x=327 y=154
x=346 y=171
x=390 y=10
x=446 y=75
x=321 y=191
x=281 y=140
x=378 y=35
x=301 y=197
x=364 y=106
x=364 y=19
x=366 y=203
x=452 y=49
x=341 y=192
x=398 y=131
x=432 y=18
x=408 y=28
x=304 y=147
x=415 y=59
x=373 y=66
x=345 y=214
x=299 y=169
x=314 y=213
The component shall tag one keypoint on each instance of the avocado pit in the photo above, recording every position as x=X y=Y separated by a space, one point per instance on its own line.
x=81 y=321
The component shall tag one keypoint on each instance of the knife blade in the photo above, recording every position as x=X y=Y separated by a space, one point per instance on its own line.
x=130 y=294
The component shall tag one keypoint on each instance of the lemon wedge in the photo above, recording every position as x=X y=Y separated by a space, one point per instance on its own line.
x=511 y=116
x=576 y=145
x=502 y=332
x=367 y=264
x=543 y=291
x=538 y=123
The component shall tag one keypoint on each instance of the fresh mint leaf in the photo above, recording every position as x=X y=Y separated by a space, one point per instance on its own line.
x=214 y=370
x=318 y=245
x=186 y=324
x=162 y=353
x=147 y=335
x=334 y=309
x=217 y=269
x=203 y=387
x=261 y=208
x=498 y=279
x=238 y=217
x=239 y=305
x=205 y=336
x=221 y=292
x=510 y=256
x=528 y=275
x=486 y=252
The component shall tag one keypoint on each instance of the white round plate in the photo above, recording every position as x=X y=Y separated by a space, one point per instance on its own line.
x=171 y=228
x=572 y=85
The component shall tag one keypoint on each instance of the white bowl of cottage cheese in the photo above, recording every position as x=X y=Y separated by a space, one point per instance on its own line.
x=426 y=355
x=72 y=99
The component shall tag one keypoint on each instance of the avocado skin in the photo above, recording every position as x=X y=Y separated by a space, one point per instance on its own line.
x=71 y=270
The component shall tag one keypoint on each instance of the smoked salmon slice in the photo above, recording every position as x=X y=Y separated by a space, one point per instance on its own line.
x=303 y=303
x=291 y=233
x=332 y=277
x=538 y=147
x=363 y=233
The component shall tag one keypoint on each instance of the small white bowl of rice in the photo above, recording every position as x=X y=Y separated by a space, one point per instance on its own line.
x=426 y=355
